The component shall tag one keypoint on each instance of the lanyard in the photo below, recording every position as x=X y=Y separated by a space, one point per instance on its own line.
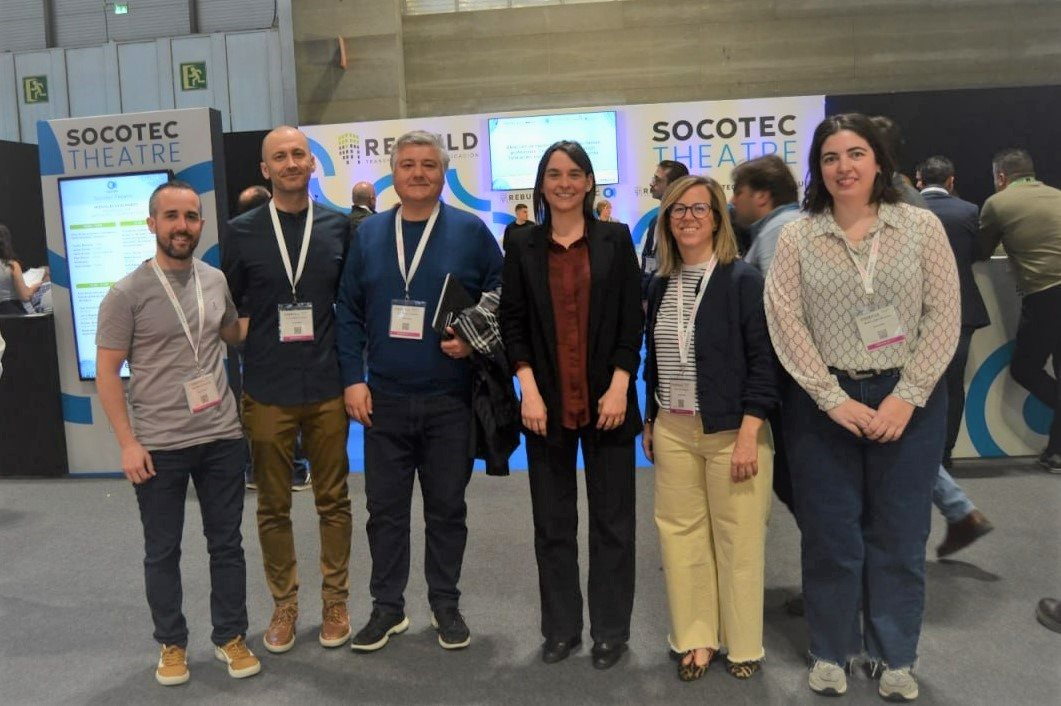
x=180 y=312
x=685 y=331
x=303 y=250
x=421 y=246
x=867 y=272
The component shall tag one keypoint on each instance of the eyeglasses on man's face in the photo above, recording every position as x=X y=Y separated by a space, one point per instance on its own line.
x=699 y=211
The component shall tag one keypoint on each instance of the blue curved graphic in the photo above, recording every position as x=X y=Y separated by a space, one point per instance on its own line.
x=77 y=409
x=213 y=256
x=503 y=218
x=642 y=224
x=383 y=183
x=1037 y=415
x=317 y=194
x=323 y=158
x=463 y=195
x=51 y=158
x=60 y=269
x=976 y=401
x=200 y=176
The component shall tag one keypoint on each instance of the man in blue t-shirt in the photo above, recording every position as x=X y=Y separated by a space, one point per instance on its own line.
x=410 y=386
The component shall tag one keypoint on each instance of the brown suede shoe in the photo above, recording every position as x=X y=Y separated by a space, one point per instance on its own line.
x=964 y=532
x=335 y=624
x=280 y=636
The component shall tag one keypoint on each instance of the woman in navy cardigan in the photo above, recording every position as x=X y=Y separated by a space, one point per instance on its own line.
x=711 y=381
x=571 y=323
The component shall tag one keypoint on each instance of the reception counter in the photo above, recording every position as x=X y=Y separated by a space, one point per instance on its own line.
x=32 y=437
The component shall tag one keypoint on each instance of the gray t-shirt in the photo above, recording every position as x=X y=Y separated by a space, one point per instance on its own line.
x=137 y=316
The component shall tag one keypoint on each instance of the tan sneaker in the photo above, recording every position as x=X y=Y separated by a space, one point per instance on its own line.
x=280 y=636
x=240 y=660
x=172 y=666
x=335 y=624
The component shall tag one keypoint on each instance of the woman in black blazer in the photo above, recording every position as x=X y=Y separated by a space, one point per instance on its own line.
x=571 y=322
x=711 y=381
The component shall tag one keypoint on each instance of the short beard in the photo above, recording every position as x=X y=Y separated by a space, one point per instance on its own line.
x=173 y=252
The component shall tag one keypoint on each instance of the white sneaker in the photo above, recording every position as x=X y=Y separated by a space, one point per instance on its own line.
x=898 y=685
x=827 y=678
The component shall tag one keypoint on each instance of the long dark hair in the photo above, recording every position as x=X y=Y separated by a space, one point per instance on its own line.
x=7 y=247
x=578 y=155
x=817 y=198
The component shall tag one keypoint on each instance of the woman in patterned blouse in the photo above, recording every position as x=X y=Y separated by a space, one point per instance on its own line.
x=863 y=307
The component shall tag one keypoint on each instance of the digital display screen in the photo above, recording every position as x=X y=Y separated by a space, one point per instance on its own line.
x=106 y=235
x=517 y=145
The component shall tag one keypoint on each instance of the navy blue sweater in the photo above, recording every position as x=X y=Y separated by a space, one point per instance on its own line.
x=736 y=371
x=460 y=244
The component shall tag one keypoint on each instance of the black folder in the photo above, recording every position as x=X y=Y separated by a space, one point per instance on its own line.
x=452 y=300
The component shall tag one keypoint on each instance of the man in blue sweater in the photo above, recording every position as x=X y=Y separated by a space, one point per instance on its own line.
x=410 y=386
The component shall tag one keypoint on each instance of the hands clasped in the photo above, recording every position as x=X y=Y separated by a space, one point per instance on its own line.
x=884 y=424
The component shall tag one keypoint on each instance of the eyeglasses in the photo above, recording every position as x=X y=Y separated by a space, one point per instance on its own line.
x=699 y=211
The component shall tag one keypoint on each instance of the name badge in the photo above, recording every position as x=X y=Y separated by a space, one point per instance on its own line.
x=650 y=263
x=880 y=328
x=407 y=319
x=683 y=397
x=296 y=322
x=201 y=394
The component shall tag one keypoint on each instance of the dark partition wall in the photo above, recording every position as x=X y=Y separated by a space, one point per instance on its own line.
x=969 y=126
x=242 y=159
x=21 y=208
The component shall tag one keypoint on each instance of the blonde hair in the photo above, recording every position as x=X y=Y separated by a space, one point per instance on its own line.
x=725 y=242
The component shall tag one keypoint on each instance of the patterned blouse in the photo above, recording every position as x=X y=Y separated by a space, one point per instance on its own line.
x=814 y=292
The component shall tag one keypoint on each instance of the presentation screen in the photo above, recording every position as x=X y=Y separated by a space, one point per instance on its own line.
x=517 y=145
x=105 y=229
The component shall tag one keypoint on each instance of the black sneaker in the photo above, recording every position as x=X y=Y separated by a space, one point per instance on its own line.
x=1050 y=461
x=453 y=633
x=377 y=631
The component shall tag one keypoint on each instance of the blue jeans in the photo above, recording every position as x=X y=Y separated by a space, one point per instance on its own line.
x=216 y=468
x=950 y=498
x=427 y=436
x=865 y=511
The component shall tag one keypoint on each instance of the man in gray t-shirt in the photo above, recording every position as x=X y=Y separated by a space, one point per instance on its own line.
x=169 y=319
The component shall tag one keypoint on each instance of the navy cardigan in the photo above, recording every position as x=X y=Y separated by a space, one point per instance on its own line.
x=736 y=370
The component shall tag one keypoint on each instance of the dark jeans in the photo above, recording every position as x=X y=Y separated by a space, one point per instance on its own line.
x=610 y=490
x=216 y=468
x=1039 y=337
x=864 y=510
x=954 y=380
x=782 y=473
x=429 y=437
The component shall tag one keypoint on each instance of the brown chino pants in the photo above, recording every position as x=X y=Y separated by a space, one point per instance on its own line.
x=271 y=430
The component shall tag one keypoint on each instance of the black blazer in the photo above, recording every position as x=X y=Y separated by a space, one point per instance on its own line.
x=961 y=220
x=736 y=371
x=528 y=328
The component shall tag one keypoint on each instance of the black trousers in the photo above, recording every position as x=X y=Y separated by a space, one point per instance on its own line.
x=1039 y=337
x=954 y=380
x=610 y=491
x=216 y=468
x=427 y=436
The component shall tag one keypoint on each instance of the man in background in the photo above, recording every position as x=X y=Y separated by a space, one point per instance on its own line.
x=363 y=203
x=522 y=222
x=1025 y=215
x=965 y=523
x=666 y=172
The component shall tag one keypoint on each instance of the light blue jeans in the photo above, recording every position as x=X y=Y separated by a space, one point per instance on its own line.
x=950 y=498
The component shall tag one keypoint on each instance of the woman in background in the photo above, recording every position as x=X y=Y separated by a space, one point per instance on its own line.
x=571 y=324
x=711 y=380
x=13 y=289
x=863 y=306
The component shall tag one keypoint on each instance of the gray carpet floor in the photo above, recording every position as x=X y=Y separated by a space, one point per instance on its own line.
x=75 y=629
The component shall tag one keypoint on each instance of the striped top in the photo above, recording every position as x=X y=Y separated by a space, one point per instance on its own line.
x=665 y=333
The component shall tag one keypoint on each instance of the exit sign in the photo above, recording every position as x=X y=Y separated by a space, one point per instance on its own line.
x=121 y=8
